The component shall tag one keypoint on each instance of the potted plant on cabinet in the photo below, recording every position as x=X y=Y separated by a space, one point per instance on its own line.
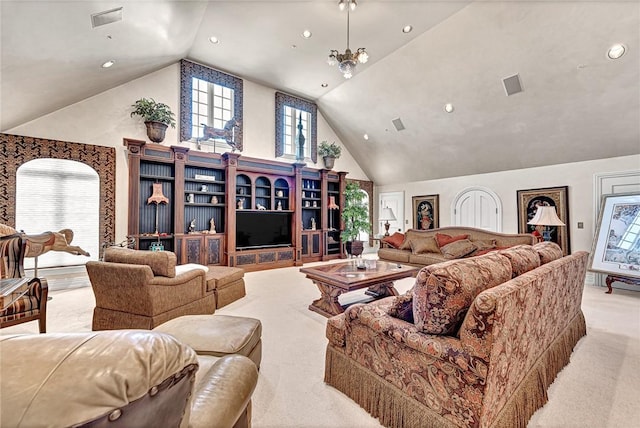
x=157 y=117
x=355 y=216
x=329 y=153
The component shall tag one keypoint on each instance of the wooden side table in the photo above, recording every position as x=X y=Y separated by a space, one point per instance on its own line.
x=627 y=280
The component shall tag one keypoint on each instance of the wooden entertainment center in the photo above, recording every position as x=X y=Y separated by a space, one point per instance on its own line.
x=227 y=209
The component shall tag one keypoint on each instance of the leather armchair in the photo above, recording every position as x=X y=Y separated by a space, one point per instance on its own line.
x=30 y=305
x=137 y=289
x=124 y=378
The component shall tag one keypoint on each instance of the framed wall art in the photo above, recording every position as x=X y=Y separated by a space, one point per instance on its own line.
x=528 y=203
x=426 y=212
x=616 y=245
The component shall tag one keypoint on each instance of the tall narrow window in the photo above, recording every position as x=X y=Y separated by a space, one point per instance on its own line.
x=55 y=194
x=291 y=112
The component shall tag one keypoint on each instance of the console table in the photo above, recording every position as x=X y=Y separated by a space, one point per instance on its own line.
x=11 y=289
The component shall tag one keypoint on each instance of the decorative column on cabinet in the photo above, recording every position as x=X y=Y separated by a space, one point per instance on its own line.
x=134 y=148
x=231 y=160
x=298 y=213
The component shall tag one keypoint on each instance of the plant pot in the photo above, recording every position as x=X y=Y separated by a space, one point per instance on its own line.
x=328 y=161
x=354 y=248
x=156 y=131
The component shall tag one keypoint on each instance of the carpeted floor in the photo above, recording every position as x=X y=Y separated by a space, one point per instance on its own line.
x=599 y=388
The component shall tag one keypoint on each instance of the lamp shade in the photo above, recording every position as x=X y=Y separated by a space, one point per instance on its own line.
x=387 y=215
x=546 y=216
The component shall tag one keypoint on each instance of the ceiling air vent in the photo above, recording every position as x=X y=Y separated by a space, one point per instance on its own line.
x=106 y=17
x=512 y=84
x=398 y=124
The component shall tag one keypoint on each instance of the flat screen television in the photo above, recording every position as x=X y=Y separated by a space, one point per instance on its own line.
x=262 y=229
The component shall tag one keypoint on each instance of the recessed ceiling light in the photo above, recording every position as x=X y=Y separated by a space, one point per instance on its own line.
x=108 y=63
x=407 y=29
x=366 y=136
x=448 y=107
x=306 y=34
x=616 y=51
x=214 y=40
x=324 y=85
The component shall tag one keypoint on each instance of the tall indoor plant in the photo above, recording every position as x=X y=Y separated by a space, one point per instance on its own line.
x=355 y=216
x=329 y=153
x=157 y=117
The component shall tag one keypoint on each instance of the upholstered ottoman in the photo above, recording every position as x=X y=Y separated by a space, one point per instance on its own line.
x=218 y=335
x=227 y=283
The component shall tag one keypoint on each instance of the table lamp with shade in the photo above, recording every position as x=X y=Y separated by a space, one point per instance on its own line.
x=387 y=215
x=546 y=216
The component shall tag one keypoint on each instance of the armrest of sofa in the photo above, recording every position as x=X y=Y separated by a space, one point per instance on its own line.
x=138 y=378
x=223 y=392
x=446 y=348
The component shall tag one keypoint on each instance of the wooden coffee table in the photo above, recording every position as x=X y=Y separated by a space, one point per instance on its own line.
x=336 y=278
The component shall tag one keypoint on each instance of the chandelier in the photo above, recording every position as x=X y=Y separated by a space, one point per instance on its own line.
x=348 y=60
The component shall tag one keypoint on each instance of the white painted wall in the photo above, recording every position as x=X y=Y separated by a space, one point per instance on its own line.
x=578 y=176
x=105 y=120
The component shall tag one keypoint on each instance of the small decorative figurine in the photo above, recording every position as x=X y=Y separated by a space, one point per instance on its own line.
x=279 y=206
x=192 y=226
x=212 y=225
x=313 y=223
x=279 y=193
x=240 y=203
x=190 y=198
x=214 y=199
x=261 y=207
x=203 y=188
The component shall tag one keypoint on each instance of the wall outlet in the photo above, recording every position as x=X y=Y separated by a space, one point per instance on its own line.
x=580 y=225
x=406 y=221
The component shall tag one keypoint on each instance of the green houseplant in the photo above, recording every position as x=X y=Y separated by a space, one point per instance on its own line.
x=355 y=216
x=157 y=117
x=329 y=153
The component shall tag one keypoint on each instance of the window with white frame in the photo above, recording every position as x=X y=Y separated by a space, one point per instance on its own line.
x=293 y=120
x=291 y=112
x=212 y=105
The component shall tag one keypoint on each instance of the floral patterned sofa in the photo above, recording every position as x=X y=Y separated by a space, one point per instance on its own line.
x=475 y=343
x=426 y=247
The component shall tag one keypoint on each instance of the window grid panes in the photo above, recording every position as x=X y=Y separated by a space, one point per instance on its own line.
x=291 y=119
x=205 y=94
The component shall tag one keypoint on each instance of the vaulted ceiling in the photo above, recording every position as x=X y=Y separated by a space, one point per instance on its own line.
x=576 y=103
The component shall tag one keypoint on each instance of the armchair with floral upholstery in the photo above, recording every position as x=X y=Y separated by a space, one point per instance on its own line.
x=28 y=306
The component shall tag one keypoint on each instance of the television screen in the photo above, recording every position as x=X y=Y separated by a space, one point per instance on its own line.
x=255 y=229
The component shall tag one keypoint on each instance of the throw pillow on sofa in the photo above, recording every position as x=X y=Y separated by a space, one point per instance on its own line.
x=394 y=240
x=548 y=251
x=523 y=258
x=458 y=249
x=444 y=239
x=443 y=292
x=424 y=245
x=402 y=307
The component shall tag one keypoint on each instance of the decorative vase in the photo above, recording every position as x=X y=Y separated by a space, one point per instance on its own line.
x=328 y=161
x=354 y=248
x=156 y=131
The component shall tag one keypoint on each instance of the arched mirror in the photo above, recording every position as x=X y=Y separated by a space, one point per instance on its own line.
x=295 y=116
x=210 y=106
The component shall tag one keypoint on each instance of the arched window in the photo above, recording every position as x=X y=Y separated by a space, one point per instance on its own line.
x=55 y=194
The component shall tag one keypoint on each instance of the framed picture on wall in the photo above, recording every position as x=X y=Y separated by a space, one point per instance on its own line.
x=426 y=212
x=557 y=197
x=616 y=247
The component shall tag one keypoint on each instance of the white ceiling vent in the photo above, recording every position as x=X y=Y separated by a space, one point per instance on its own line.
x=106 y=17
x=398 y=124
x=512 y=84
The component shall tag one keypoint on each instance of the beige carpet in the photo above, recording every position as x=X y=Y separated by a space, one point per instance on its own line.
x=599 y=388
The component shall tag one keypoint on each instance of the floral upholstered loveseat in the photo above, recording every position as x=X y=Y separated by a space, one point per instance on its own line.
x=475 y=343
x=426 y=247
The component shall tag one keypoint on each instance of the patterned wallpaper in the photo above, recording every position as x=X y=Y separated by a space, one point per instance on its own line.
x=16 y=150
